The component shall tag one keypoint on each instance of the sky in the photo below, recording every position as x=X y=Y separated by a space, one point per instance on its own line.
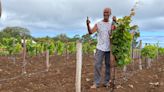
x=53 y=17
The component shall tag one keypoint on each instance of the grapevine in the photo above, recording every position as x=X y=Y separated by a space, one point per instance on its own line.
x=122 y=39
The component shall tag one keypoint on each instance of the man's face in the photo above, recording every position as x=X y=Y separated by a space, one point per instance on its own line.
x=106 y=14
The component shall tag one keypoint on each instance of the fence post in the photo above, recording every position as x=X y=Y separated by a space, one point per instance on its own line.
x=24 y=56
x=140 y=59
x=47 y=60
x=78 y=66
x=157 y=53
x=149 y=62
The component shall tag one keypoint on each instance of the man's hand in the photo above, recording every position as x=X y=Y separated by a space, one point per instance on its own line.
x=91 y=31
x=88 y=26
x=113 y=27
x=88 y=21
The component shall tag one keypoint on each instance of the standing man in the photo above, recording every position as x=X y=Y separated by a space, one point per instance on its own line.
x=103 y=29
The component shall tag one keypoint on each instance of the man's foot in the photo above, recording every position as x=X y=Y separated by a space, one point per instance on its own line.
x=109 y=84
x=94 y=86
x=106 y=85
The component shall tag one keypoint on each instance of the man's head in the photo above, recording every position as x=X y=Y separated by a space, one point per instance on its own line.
x=107 y=13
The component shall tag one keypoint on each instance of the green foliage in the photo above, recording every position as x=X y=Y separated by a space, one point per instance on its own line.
x=40 y=47
x=161 y=51
x=17 y=48
x=3 y=50
x=121 y=47
x=88 y=48
x=86 y=38
x=51 y=48
x=8 y=42
x=60 y=47
x=30 y=47
x=71 y=47
x=11 y=46
x=149 y=51
x=122 y=40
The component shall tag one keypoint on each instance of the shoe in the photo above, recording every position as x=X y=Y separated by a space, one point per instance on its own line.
x=106 y=85
x=94 y=86
x=109 y=84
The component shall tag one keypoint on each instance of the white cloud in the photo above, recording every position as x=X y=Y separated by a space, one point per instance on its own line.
x=71 y=14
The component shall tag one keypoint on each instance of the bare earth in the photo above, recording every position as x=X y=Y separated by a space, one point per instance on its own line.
x=61 y=76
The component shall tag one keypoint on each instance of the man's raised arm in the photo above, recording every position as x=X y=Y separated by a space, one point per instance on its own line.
x=91 y=31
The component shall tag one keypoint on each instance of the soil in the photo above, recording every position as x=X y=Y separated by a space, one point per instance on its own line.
x=61 y=75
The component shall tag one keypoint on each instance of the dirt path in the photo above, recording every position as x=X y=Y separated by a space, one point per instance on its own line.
x=61 y=77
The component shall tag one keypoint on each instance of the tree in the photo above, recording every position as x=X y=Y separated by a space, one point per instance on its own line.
x=76 y=37
x=62 y=37
x=15 y=32
x=86 y=38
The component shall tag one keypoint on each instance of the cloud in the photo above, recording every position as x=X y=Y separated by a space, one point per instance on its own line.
x=149 y=9
x=70 y=15
x=152 y=24
x=58 y=13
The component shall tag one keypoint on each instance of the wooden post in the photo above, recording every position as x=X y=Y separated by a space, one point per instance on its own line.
x=47 y=60
x=149 y=62
x=78 y=66
x=132 y=55
x=24 y=56
x=14 y=55
x=140 y=60
x=124 y=72
x=157 y=53
x=124 y=69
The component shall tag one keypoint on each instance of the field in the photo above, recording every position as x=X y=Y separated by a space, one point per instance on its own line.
x=43 y=51
x=61 y=76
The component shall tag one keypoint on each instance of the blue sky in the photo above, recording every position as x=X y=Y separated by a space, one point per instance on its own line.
x=53 y=17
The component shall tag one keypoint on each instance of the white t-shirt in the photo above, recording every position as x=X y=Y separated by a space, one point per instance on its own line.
x=103 y=34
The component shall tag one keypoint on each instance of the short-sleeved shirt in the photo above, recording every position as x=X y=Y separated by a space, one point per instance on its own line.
x=103 y=34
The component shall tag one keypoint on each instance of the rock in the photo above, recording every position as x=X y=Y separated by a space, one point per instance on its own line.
x=119 y=86
x=0 y=86
x=159 y=69
x=58 y=71
x=1 y=70
x=131 y=86
x=87 y=79
x=28 y=90
x=155 y=84
x=136 y=81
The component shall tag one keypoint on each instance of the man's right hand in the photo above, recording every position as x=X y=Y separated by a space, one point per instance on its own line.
x=90 y=31
x=88 y=21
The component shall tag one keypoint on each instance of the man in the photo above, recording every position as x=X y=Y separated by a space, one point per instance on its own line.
x=103 y=29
